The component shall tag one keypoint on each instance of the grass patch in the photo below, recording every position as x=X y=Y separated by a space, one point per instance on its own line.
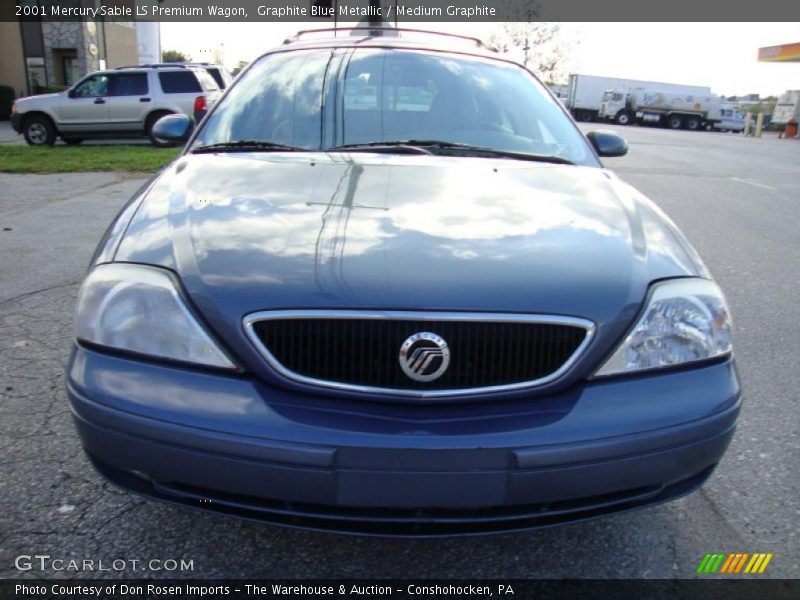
x=76 y=159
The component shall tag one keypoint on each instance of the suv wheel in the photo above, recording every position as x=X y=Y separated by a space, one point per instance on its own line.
x=151 y=121
x=39 y=131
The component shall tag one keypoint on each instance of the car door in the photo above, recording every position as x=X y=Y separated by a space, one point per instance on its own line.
x=128 y=101
x=85 y=108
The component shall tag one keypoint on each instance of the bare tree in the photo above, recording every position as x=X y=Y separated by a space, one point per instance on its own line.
x=539 y=46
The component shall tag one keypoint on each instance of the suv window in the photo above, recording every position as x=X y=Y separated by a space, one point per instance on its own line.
x=279 y=102
x=179 y=82
x=217 y=75
x=206 y=80
x=92 y=87
x=129 y=84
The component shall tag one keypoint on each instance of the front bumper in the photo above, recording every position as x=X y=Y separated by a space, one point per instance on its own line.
x=235 y=446
x=16 y=122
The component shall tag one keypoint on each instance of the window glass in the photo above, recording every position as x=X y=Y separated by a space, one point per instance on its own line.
x=206 y=80
x=129 y=84
x=396 y=95
x=93 y=87
x=393 y=95
x=179 y=82
x=278 y=100
x=214 y=72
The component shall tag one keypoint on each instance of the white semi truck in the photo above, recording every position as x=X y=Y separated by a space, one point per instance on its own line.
x=788 y=107
x=674 y=110
x=585 y=92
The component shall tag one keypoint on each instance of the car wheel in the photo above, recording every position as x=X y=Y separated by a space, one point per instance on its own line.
x=674 y=122
x=693 y=124
x=623 y=118
x=39 y=131
x=151 y=121
x=72 y=141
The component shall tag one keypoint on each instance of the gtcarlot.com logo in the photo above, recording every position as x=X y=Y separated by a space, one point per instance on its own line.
x=734 y=563
x=45 y=562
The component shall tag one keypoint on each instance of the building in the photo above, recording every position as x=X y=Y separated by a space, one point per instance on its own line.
x=148 y=35
x=37 y=55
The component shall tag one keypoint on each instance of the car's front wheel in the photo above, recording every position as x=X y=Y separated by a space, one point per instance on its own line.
x=39 y=131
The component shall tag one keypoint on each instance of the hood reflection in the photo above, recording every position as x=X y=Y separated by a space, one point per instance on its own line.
x=278 y=230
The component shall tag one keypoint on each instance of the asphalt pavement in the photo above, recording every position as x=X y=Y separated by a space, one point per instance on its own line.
x=736 y=198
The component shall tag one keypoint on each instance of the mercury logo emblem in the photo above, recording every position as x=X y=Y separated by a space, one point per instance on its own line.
x=424 y=356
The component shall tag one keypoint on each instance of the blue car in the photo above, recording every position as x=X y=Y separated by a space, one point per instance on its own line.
x=389 y=288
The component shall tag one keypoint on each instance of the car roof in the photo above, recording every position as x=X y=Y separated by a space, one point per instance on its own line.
x=386 y=37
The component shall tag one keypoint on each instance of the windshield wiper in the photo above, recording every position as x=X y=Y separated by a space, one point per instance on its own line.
x=246 y=146
x=440 y=146
x=389 y=146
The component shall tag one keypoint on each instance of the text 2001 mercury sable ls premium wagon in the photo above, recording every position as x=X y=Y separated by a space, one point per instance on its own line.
x=389 y=288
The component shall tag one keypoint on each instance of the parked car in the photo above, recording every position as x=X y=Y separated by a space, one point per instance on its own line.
x=124 y=102
x=389 y=288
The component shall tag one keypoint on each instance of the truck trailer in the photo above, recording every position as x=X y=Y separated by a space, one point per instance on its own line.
x=585 y=92
x=787 y=107
x=673 y=110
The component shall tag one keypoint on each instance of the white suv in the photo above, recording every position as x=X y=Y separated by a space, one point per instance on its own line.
x=124 y=102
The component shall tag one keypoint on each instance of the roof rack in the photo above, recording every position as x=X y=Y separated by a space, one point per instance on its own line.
x=156 y=66
x=179 y=65
x=378 y=31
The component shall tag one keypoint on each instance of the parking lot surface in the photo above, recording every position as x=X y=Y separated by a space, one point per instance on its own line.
x=736 y=198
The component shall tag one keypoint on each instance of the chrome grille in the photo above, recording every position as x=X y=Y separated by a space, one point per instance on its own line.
x=359 y=350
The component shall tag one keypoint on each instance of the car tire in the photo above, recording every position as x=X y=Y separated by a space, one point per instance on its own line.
x=674 y=122
x=72 y=141
x=39 y=131
x=151 y=121
x=624 y=118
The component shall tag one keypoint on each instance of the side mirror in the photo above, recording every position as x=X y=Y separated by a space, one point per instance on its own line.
x=71 y=93
x=173 y=128
x=608 y=143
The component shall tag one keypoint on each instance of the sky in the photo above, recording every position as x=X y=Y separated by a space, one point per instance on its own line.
x=722 y=56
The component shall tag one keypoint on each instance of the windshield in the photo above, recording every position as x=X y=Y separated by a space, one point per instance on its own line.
x=390 y=95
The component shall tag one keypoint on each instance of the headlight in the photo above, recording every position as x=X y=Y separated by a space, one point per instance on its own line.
x=686 y=320
x=138 y=308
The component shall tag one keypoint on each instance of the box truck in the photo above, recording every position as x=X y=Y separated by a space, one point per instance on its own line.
x=673 y=110
x=585 y=92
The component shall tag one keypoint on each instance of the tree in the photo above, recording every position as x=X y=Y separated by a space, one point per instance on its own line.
x=539 y=46
x=240 y=67
x=169 y=56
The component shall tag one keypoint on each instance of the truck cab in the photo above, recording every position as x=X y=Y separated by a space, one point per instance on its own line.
x=613 y=106
x=731 y=119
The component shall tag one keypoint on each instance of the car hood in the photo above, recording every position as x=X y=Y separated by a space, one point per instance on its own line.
x=249 y=232
x=41 y=99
